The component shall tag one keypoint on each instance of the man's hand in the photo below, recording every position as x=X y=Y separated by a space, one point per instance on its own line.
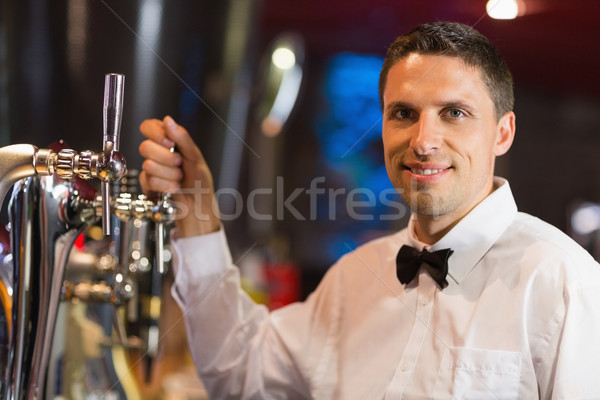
x=183 y=173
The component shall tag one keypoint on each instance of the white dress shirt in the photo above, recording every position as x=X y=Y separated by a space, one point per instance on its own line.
x=520 y=319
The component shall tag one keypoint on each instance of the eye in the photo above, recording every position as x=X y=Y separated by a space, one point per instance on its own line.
x=454 y=113
x=403 y=113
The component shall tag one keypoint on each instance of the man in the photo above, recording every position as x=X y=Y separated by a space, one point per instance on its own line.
x=516 y=317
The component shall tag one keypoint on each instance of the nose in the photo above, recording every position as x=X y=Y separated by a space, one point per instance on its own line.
x=426 y=136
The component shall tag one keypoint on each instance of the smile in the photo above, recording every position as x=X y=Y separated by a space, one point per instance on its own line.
x=425 y=172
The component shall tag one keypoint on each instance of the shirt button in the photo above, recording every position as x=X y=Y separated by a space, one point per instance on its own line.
x=425 y=300
x=405 y=367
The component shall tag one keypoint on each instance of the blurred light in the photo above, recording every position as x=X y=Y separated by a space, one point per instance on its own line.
x=586 y=219
x=502 y=9
x=80 y=242
x=283 y=58
x=353 y=121
x=59 y=191
x=95 y=233
x=285 y=79
x=284 y=101
x=77 y=26
x=144 y=263
x=136 y=254
x=147 y=48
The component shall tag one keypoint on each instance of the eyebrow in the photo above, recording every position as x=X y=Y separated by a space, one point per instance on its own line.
x=454 y=103
x=398 y=104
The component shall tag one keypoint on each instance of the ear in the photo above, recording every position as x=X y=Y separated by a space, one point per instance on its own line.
x=505 y=133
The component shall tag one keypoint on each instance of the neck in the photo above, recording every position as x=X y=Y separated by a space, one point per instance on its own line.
x=431 y=229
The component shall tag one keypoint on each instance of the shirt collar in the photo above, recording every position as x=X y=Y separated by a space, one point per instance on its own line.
x=468 y=239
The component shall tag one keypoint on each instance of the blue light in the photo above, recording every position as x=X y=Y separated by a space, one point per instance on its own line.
x=349 y=132
x=354 y=118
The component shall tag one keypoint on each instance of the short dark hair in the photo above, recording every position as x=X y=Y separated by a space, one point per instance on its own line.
x=456 y=40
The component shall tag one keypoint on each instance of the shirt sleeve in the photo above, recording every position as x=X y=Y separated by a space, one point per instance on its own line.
x=573 y=348
x=240 y=350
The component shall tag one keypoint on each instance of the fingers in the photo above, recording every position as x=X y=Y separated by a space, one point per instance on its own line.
x=164 y=170
x=173 y=172
x=159 y=153
x=151 y=183
x=154 y=130
x=161 y=170
x=185 y=144
x=154 y=168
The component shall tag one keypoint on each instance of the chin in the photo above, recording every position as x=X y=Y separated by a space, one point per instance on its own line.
x=427 y=205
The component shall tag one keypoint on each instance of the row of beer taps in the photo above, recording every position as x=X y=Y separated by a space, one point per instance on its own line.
x=47 y=213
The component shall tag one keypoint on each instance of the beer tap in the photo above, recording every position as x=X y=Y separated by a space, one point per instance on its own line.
x=20 y=161
x=44 y=228
x=163 y=213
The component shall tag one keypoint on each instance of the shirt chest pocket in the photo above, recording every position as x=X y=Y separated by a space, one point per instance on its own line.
x=478 y=374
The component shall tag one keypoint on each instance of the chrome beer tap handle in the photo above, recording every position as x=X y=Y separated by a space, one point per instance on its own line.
x=113 y=107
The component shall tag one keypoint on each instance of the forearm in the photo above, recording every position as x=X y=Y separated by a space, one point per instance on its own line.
x=226 y=332
x=233 y=343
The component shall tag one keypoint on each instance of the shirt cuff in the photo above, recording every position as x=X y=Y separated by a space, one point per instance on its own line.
x=199 y=261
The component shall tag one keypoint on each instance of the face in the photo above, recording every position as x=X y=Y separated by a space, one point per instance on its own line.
x=441 y=135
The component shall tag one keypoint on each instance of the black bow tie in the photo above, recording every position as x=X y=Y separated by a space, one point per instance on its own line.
x=410 y=259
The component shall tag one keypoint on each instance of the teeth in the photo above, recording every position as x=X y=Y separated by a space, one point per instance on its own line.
x=425 y=171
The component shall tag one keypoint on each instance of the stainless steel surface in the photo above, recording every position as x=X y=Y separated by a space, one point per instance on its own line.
x=105 y=190
x=161 y=215
x=20 y=161
x=6 y=292
x=47 y=214
x=114 y=86
x=17 y=161
x=164 y=212
x=43 y=243
x=160 y=245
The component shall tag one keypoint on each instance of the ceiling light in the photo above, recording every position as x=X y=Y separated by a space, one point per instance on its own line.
x=283 y=58
x=502 y=9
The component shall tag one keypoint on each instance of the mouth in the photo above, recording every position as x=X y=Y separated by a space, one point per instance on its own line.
x=426 y=171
